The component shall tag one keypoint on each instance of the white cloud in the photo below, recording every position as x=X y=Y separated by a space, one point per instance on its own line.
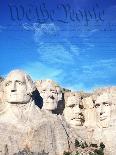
x=75 y=50
x=85 y=34
x=57 y=54
x=74 y=79
x=41 y=29
x=39 y=70
x=2 y=28
x=58 y=59
x=100 y=69
x=52 y=51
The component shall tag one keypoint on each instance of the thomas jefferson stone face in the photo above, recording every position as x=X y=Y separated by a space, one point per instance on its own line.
x=73 y=112
x=15 y=88
x=103 y=109
x=50 y=96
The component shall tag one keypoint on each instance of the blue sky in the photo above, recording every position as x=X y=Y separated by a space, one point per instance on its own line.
x=71 y=42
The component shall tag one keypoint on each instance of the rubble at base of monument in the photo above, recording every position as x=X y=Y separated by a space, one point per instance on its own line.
x=40 y=118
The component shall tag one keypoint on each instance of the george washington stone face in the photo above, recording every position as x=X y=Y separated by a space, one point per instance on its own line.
x=17 y=87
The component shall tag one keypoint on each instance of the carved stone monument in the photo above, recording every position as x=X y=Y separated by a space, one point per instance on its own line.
x=73 y=111
x=89 y=112
x=103 y=109
x=106 y=122
x=27 y=129
x=51 y=94
x=23 y=125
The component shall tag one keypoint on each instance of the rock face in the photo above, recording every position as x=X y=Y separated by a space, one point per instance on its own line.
x=23 y=125
x=52 y=95
x=67 y=122
x=73 y=112
x=89 y=112
x=105 y=130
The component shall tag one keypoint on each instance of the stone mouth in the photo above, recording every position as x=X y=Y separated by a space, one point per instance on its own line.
x=102 y=118
x=50 y=102
x=77 y=119
x=13 y=94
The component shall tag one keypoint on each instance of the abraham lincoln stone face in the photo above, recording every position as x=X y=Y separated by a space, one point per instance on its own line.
x=103 y=109
x=16 y=88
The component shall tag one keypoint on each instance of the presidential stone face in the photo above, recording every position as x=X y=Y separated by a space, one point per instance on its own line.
x=17 y=87
x=103 y=109
x=73 y=111
x=50 y=94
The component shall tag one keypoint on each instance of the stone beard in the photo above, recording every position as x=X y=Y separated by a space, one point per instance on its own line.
x=73 y=112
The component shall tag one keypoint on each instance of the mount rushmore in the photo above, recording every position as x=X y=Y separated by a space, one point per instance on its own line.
x=42 y=118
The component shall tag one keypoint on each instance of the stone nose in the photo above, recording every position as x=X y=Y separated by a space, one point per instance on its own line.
x=77 y=110
x=13 y=87
x=52 y=97
x=101 y=113
x=101 y=110
x=49 y=94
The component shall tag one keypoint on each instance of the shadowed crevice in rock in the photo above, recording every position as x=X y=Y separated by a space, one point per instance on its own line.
x=60 y=107
x=26 y=151
x=1 y=79
x=37 y=98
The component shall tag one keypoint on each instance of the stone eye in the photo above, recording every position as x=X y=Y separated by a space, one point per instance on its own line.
x=19 y=82
x=53 y=91
x=97 y=105
x=106 y=104
x=72 y=106
x=43 y=91
x=8 y=83
x=81 y=106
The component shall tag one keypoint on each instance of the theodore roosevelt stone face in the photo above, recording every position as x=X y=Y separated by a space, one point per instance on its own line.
x=103 y=109
x=73 y=112
x=15 y=88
